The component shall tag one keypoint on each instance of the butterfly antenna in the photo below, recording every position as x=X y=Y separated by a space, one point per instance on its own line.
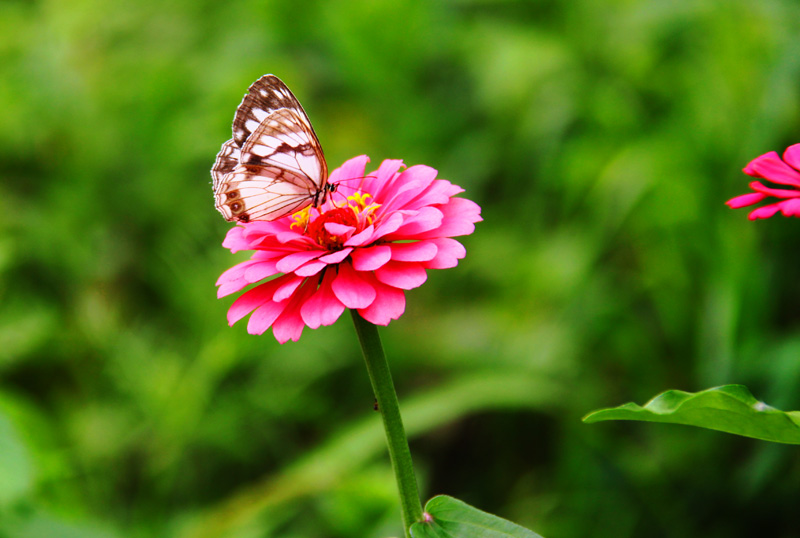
x=332 y=188
x=361 y=182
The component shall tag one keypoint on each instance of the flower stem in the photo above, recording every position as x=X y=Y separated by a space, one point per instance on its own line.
x=382 y=385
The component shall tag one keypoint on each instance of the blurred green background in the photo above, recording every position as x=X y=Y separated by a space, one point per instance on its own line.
x=601 y=139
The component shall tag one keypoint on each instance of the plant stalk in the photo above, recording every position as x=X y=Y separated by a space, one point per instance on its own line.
x=399 y=453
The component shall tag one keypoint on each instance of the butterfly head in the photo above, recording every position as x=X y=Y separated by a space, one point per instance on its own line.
x=322 y=194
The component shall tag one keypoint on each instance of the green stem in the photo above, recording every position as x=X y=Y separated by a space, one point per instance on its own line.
x=382 y=385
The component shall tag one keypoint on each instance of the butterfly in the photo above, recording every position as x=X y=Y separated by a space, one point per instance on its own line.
x=274 y=165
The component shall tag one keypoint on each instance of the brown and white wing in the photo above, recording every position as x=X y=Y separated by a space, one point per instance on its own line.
x=281 y=170
x=264 y=96
x=273 y=165
x=227 y=160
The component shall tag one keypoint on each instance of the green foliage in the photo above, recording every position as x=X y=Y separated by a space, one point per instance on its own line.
x=601 y=139
x=731 y=409
x=15 y=465
x=451 y=518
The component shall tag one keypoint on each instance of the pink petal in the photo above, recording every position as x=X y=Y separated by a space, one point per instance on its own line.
x=234 y=273
x=259 y=271
x=770 y=166
x=369 y=259
x=449 y=252
x=459 y=218
x=778 y=193
x=272 y=254
x=351 y=169
x=402 y=275
x=419 y=173
x=235 y=240
x=291 y=236
x=438 y=193
x=260 y=228
x=791 y=208
x=289 y=325
x=277 y=238
x=462 y=208
x=409 y=185
x=388 y=168
x=764 y=212
x=264 y=316
x=322 y=308
x=424 y=220
x=231 y=287
x=361 y=238
x=337 y=256
x=388 y=226
x=310 y=269
x=381 y=179
x=341 y=230
x=252 y=299
x=750 y=169
x=295 y=260
x=792 y=156
x=351 y=288
x=287 y=288
x=745 y=200
x=418 y=251
x=389 y=304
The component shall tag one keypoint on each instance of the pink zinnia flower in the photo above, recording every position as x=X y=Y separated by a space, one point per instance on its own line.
x=784 y=172
x=372 y=240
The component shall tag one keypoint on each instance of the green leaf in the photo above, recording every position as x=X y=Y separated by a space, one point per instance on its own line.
x=730 y=408
x=451 y=518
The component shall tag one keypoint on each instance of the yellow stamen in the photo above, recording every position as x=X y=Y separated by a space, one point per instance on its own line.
x=362 y=205
x=301 y=218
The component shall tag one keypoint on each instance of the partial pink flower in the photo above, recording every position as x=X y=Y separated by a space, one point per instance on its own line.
x=784 y=172
x=373 y=239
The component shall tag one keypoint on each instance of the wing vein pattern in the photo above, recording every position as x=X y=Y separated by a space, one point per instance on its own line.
x=274 y=164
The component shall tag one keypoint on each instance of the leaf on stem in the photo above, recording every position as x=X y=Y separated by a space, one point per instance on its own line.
x=447 y=517
x=730 y=408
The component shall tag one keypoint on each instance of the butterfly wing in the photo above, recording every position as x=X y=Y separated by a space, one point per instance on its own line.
x=227 y=159
x=273 y=165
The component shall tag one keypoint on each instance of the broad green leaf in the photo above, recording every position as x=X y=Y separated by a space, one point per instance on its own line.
x=730 y=408
x=451 y=518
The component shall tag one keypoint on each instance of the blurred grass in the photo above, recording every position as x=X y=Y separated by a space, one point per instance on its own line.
x=601 y=140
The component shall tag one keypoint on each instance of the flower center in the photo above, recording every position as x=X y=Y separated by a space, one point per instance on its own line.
x=356 y=213
x=319 y=233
